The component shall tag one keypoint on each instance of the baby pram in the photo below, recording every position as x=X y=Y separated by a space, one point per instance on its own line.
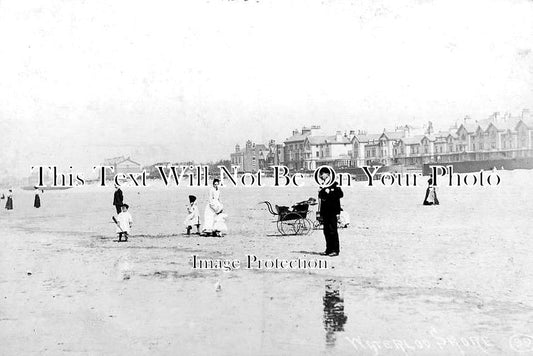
x=292 y=220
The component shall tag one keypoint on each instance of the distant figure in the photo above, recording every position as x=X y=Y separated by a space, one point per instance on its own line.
x=344 y=219
x=124 y=223
x=431 y=194
x=219 y=226
x=213 y=207
x=118 y=199
x=193 y=218
x=37 y=201
x=330 y=208
x=9 y=202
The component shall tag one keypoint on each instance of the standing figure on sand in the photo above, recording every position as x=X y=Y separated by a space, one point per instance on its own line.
x=9 y=202
x=193 y=217
x=37 y=200
x=212 y=209
x=431 y=194
x=118 y=199
x=330 y=209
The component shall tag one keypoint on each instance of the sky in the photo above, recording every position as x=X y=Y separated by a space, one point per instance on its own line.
x=180 y=80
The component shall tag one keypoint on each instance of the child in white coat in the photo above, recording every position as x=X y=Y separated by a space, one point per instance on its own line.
x=193 y=217
x=124 y=223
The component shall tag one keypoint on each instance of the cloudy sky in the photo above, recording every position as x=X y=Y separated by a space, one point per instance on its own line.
x=188 y=79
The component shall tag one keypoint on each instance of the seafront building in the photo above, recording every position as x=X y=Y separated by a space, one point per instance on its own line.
x=294 y=151
x=122 y=165
x=334 y=150
x=496 y=137
x=251 y=158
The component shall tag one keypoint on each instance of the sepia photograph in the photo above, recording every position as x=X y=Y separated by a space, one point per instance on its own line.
x=266 y=177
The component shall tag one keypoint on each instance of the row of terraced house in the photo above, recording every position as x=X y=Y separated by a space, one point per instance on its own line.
x=497 y=137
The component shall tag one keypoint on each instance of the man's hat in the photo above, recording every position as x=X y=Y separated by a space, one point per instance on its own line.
x=326 y=170
x=192 y=199
x=126 y=205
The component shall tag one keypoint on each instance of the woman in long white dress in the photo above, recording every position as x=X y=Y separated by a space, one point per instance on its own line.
x=213 y=207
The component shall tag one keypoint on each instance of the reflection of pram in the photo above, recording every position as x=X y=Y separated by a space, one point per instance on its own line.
x=293 y=220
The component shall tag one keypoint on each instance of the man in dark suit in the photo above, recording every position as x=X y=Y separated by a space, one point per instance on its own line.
x=330 y=207
x=118 y=199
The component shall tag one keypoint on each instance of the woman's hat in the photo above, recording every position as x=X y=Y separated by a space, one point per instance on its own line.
x=126 y=205
x=192 y=199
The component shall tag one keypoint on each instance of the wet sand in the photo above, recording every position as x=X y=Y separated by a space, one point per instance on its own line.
x=410 y=279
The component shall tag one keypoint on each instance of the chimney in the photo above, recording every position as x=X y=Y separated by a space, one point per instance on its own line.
x=429 y=130
x=295 y=132
x=338 y=136
x=311 y=130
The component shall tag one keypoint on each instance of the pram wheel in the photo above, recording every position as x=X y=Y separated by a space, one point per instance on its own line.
x=295 y=225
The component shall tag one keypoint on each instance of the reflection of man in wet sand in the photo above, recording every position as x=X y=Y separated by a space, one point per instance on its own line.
x=334 y=318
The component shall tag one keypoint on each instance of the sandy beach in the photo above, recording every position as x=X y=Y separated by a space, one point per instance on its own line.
x=441 y=280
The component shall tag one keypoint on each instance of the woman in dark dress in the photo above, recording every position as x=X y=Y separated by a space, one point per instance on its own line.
x=9 y=202
x=37 y=201
x=431 y=194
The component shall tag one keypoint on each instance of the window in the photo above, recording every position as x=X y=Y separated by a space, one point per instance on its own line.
x=317 y=154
